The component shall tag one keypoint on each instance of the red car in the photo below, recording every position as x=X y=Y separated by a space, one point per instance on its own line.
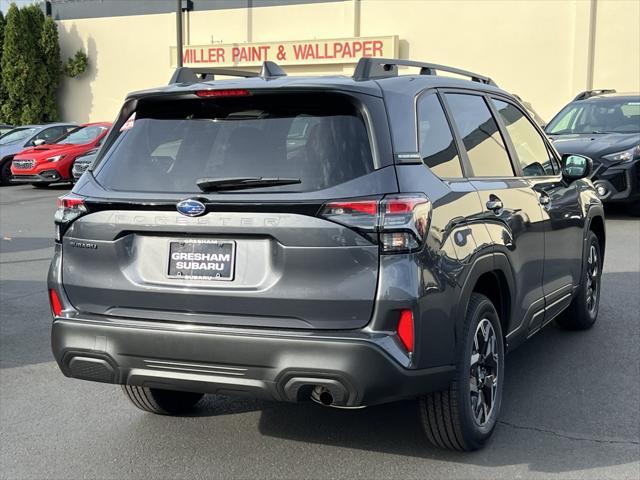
x=50 y=163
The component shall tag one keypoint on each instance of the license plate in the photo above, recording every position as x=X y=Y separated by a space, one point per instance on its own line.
x=200 y=259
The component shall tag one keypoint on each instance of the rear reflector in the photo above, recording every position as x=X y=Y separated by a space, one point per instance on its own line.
x=405 y=329
x=236 y=92
x=54 y=301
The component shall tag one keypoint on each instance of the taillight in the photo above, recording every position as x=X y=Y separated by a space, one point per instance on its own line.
x=235 y=92
x=406 y=330
x=70 y=208
x=56 y=304
x=400 y=221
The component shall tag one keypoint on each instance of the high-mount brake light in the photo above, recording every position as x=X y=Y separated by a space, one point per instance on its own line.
x=69 y=208
x=235 y=92
x=400 y=221
x=406 y=330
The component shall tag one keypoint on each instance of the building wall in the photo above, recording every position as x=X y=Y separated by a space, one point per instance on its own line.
x=538 y=49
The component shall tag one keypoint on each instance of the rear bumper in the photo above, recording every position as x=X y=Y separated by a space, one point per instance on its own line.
x=357 y=370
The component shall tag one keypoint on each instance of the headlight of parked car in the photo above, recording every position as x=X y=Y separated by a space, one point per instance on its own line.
x=625 y=155
x=56 y=158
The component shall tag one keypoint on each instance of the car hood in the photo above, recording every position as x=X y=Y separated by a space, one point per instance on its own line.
x=44 y=151
x=595 y=145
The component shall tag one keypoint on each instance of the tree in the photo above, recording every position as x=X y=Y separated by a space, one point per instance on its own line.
x=2 y=22
x=23 y=72
x=30 y=66
x=50 y=49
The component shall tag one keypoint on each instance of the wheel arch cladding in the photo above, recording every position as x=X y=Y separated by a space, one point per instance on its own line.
x=596 y=225
x=494 y=286
x=490 y=275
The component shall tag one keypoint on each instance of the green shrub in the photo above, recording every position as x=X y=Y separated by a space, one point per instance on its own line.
x=30 y=66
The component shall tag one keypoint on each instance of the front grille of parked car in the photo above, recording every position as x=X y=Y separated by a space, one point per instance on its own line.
x=80 y=167
x=24 y=164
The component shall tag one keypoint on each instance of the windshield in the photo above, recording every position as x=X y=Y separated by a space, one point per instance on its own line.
x=16 y=134
x=82 y=135
x=319 y=139
x=598 y=116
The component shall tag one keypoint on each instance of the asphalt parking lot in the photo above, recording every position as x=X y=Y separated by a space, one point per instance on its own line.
x=571 y=407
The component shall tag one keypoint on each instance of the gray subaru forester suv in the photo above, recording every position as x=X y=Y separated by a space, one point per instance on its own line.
x=350 y=241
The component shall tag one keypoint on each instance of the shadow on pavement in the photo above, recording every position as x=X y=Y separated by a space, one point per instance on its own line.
x=556 y=392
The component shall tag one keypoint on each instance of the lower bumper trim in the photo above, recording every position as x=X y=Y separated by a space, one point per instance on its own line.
x=353 y=371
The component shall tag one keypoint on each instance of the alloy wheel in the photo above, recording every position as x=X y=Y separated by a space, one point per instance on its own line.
x=593 y=277
x=483 y=381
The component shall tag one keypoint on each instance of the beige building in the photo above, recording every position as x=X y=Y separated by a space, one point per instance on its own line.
x=546 y=51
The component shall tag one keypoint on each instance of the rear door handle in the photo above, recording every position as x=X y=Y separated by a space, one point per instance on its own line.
x=495 y=204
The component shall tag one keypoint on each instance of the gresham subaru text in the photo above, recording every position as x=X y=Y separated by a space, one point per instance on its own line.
x=374 y=238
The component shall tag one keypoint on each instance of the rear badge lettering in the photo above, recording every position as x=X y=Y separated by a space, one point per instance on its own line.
x=91 y=246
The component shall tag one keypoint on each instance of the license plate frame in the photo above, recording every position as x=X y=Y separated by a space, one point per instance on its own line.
x=220 y=268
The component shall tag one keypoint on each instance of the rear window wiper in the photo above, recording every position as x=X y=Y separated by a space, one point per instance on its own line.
x=239 y=183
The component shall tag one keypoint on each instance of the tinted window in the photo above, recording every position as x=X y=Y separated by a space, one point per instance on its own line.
x=50 y=134
x=83 y=135
x=533 y=155
x=16 y=135
x=320 y=139
x=609 y=115
x=437 y=149
x=486 y=150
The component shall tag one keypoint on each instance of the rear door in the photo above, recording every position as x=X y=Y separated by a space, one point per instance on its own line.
x=256 y=257
x=511 y=209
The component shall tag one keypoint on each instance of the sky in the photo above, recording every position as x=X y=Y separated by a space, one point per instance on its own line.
x=4 y=4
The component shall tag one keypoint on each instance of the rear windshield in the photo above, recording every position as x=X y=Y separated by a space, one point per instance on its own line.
x=172 y=143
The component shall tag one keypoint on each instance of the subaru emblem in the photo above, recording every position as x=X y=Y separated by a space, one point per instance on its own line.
x=191 y=207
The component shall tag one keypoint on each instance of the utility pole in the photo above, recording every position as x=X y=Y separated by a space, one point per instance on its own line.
x=179 y=33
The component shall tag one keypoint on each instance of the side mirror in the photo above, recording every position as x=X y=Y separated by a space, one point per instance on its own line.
x=37 y=143
x=575 y=167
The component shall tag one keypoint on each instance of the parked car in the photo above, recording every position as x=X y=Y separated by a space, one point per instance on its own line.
x=5 y=129
x=83 y=162
x=50 y=163
x=605 y=126
x=20 y=138
x=416 y=229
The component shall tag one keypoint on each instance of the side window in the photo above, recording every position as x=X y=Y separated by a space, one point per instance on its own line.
x=532 y=151
x=485 y=148
x=50 y=134
x=435 y=140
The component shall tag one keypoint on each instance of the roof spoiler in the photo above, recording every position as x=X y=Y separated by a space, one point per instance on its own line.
x=370 y=68
x=592 y=93
x=203 y=74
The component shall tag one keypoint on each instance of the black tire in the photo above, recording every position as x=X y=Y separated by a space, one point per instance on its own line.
x=161 y=402
x=5 y=172
x=583 y=311
x=40 y=185
x=447 y=416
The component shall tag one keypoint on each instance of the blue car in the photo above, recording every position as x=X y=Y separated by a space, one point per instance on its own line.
x=25 y=136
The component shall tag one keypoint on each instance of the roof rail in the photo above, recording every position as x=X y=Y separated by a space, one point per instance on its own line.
x=204 y=74
x=369 y=68
x=592 y=93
